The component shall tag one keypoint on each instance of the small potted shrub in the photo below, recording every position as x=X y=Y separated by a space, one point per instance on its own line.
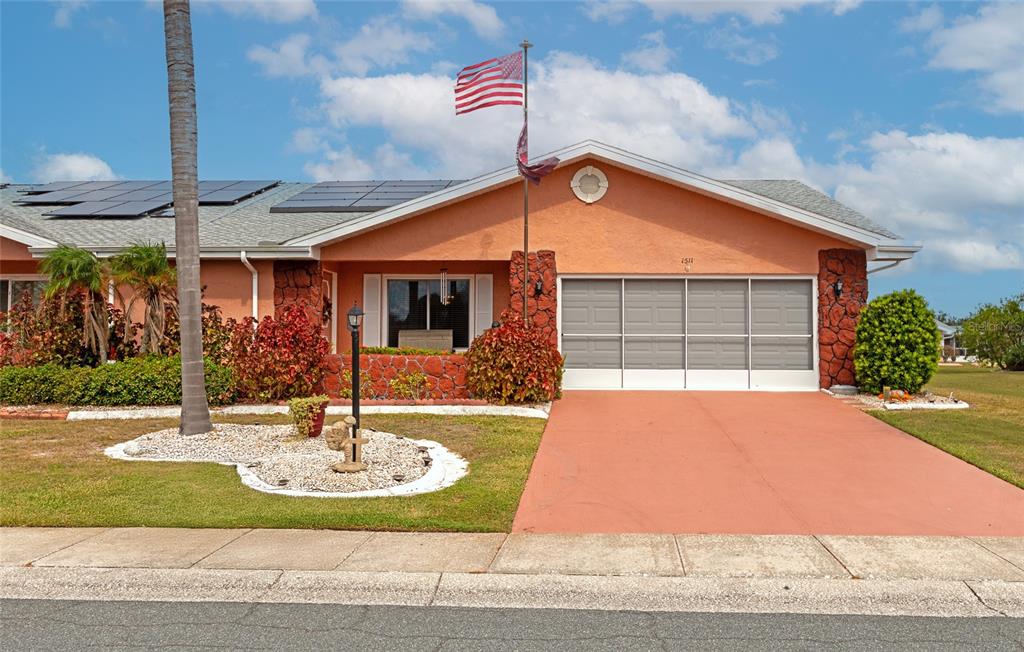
x=308 y=414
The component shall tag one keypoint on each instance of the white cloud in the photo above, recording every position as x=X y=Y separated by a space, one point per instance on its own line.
x=380 y=43
x=652 y=55
x=386 y=162
x=65 y=11
x=988 y=43
x=483 y=18
x=613 y=12
x=963 y=197
x=273 y=11
x=668 y=116
x=740 y=48
x=71 y=167
x=926 y=20
x=4 y=178
x=289 y=58
x=307 y=140
x=758 y=12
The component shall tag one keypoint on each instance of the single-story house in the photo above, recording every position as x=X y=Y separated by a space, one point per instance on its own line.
x=645 y=275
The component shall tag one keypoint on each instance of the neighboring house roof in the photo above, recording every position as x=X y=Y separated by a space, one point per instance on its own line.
x=945 y=329
x=249 y=225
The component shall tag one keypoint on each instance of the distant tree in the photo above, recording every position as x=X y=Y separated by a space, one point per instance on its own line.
x=145 y=269
x=74 y=271
x=948 y=319
x=181 y=93
x=995 y=333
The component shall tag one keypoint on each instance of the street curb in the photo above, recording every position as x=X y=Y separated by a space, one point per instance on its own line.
x=671 y=594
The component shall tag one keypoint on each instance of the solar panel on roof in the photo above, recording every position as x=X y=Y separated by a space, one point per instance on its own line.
x=99 y=195
x=214 y=185
x=56 y=197
x=131 y=209
x=95 y=185
x=358 y=196
x=84 y=209
x=145 y=195
x=53 y=185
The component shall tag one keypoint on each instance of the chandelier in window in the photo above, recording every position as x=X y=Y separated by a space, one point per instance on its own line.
x=446 y=297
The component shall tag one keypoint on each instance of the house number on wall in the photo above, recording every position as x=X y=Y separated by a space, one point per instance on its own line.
x=687 y=264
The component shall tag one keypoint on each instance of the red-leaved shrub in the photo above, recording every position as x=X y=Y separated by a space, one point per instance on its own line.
x=280 y=358
x=513 y=364
x=48 y=333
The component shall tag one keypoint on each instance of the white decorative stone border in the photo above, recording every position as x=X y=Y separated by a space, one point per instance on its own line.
x=538 y=412
x=445 y=470
x=959 y=405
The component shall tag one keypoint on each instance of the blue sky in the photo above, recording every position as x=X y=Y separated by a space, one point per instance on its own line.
x=909 y=112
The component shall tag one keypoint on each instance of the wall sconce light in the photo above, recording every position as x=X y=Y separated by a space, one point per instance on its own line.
x=838 y=287
x=538 y=288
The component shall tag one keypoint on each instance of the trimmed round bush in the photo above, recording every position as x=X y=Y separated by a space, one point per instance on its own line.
x=897 y=343
x=513 y=364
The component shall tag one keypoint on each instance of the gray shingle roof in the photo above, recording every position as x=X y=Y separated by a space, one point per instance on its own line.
x=246 y=224
x=803 y=196
x=251 y=224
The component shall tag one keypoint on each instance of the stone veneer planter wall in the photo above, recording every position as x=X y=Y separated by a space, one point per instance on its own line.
x=298 y=282
x=837 y=318
x=543 y=309
x=446 y=374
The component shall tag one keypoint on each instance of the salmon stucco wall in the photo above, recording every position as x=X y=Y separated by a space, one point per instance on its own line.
x=641 y=226
x=16 y=259
x=228 y=284
x=350 y=282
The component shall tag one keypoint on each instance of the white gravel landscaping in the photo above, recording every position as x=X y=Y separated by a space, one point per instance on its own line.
x=272 y=459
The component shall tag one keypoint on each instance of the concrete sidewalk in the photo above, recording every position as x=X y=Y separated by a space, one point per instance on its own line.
x=974 y=576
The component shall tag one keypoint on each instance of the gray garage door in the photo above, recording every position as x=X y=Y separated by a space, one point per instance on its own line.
x=697 y=333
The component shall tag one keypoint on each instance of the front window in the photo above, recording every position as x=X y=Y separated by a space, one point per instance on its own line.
x=418 y=304
x=11 y=291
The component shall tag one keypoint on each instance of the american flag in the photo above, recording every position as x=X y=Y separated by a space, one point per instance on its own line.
x=490 y=83
x=539 y=169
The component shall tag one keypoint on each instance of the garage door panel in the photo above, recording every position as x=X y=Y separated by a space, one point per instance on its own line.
x=781 y=353
x=655 y=353
x=591 y=306
x=592 y=352
x=781 y=307
x=654 y=306
x=717 y=307
x=717 y=353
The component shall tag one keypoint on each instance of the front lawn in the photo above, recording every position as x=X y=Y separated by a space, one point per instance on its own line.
x=989 y=435
x=55 y=473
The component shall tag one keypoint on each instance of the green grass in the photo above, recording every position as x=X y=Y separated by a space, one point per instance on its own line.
x=989 y=435
x=54 y=473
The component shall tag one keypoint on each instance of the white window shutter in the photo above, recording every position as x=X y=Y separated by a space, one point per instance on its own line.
x=484 y=303
x=371 y=310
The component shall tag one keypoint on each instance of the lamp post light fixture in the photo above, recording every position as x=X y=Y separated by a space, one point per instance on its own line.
x=355 y=321
x=838 y=287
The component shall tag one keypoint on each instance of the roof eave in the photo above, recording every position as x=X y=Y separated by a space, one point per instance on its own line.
x=206 y=253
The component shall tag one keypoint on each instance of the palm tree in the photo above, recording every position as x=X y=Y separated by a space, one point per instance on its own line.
x=181 y=93
x=71 y=271
x=144 y=267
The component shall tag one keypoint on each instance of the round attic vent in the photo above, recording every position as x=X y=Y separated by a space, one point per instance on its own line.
x=589 y=184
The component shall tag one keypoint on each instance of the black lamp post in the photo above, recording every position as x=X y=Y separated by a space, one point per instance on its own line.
x=355 y=320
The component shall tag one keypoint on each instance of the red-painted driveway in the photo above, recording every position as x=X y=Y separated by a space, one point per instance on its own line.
x=754 y=463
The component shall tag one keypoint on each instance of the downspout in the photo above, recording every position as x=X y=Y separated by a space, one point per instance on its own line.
x=889 y=266
x=255 y=286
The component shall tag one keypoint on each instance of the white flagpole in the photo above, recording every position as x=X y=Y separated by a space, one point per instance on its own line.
x=526 y=45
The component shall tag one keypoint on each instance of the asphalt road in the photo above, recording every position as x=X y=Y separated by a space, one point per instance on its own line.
x=64 y=625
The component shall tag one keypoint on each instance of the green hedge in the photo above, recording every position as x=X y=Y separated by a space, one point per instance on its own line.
x=136 y=381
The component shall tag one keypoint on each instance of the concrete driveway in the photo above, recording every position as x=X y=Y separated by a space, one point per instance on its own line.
x=753 y=463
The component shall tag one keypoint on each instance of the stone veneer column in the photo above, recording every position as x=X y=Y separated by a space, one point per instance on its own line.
x=298 y=282
x=837 y=318
x=543 y=309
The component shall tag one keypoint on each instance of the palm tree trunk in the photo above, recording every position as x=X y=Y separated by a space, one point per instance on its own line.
x=181 y=91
